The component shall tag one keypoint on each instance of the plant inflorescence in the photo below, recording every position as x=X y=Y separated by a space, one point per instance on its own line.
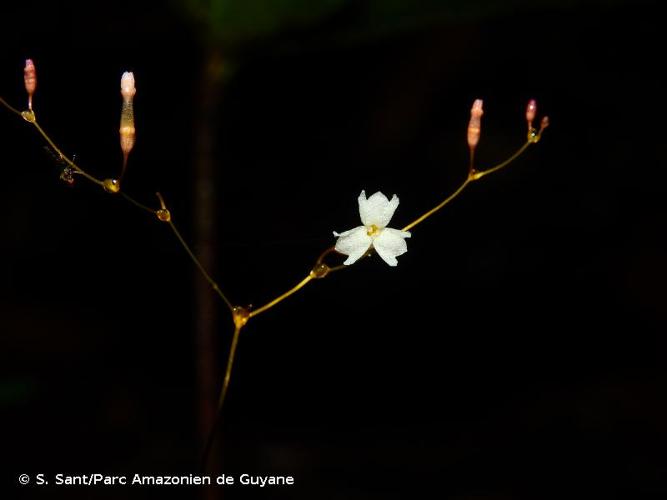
x=376 y=211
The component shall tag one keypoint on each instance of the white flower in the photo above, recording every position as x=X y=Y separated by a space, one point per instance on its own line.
x=375 y=212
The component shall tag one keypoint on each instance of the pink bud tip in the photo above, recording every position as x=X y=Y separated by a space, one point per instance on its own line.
x=531 y=110
x=475 y=125
x=30 y=80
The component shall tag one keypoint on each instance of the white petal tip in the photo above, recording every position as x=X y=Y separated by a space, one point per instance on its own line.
x=127 y=88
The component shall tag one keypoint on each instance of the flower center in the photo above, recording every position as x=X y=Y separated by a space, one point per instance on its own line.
x=373 y=230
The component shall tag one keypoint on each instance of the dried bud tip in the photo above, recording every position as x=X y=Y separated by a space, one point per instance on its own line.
x=475 y=125
x=127 y=89
x=531 y=111
x=30 y=80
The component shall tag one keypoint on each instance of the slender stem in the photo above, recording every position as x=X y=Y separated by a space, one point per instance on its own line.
x=325 y=253
x=221 y=400
x=473 y=175
x=282 y=297
x=228 y=370
x=78 y=169
x=9 y=107
x=320 y=260
x=138 y=204
x=82 y=172
x=338 y=268
x=210 y=280
x=519 y=152
x=439 y=206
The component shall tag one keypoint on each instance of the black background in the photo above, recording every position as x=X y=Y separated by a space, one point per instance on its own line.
x=517 y=351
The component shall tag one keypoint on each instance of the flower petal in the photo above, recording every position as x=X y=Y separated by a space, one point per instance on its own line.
x=353 y=243
x=376 y=210
x=390 y=244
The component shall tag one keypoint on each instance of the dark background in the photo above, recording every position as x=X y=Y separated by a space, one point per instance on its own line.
x=517 y=351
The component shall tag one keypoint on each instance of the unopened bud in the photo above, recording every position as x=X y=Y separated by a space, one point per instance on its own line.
x=475 y=125
x=544 y=123
x=30 y=80
x=531 y=110
x=535 y=135
x=127 y=131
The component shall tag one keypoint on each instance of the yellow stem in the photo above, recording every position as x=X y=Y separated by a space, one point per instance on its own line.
x=473 y=175
x=138 y=204
x=9 y=107
x=478 y=175
x=329 y=250
x=210 y=280
x=30 y=117
x=439 y=206
x=275 y=301
x=338 y=268
x=230 y=364
x=221 y=399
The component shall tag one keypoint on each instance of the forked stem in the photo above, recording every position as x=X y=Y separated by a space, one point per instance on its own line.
x=473 y=175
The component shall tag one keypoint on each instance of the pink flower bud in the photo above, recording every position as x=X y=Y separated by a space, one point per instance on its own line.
x=30 y=80
x=531 y=110
x=475 y=125
x=127 y=131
